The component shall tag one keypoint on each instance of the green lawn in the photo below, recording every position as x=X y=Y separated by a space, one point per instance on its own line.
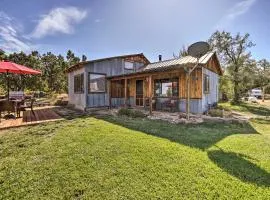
x=247 y=108
x=121 y=158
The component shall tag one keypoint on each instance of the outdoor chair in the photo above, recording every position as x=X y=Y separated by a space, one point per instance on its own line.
x=171 y=104
x=147 y=103
x=7 y=106
x=26 y=104
x=19 y=95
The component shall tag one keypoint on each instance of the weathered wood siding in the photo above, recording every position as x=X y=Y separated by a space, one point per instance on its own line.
x=196 y=90
x=195 y=83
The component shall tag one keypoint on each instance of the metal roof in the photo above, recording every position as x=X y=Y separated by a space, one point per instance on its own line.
x=177 y=62
x=81 y=64
x=171 y=64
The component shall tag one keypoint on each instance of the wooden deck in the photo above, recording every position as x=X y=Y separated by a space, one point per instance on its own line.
x=30 y=118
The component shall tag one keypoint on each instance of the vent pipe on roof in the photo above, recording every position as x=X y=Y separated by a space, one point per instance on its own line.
x=159 y=58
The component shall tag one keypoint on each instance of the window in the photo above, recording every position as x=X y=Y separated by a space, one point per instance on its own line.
x=206 y=84
x=166 y=87
x=118 y=89
x=79 y=83
x=129 y=65
x=96 y=83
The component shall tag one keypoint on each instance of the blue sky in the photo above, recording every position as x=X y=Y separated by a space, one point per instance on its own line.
x=103 y=28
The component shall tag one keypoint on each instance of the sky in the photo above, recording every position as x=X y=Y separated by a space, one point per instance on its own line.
x=104 y=28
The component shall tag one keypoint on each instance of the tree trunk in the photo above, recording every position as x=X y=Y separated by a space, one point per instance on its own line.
x=236 y=97
x=263 y=91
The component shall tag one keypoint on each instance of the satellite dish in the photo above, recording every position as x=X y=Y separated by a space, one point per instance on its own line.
x=198 y=49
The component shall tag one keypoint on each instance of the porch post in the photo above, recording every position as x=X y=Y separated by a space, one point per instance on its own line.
x=125 y=92
x=187 y=94
x=150 y=94
x=110 y=93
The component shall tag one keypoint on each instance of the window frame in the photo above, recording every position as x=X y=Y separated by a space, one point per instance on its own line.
x=206 y=86
x=97 y=92
x=170 y=80
x=81 y=81
x=133 y=67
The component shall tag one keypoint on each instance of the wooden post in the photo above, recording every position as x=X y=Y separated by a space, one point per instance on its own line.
x=150 y=94
x=188 y=75
x=125 y=92
x=263 y=92
x=109 y=85
x=187 y=93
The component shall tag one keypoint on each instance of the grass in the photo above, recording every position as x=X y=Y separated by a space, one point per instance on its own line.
x=124 y=158
x=247 y=108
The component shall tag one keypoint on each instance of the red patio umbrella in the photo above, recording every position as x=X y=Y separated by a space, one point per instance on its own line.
x=10 y=67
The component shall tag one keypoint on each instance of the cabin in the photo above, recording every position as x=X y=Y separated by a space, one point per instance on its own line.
x=87 y=81
x=132 y=81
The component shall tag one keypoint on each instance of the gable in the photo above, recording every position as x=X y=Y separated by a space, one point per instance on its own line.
x=137 y=58
x=214 y=65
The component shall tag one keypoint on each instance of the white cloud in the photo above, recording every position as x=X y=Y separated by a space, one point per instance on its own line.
x=97 y=20
x=59 y=20
x=238 y=9
x=10 y=35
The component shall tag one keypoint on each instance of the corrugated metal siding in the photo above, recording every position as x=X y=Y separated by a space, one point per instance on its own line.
x=118 y=102
x=195 y=106
x=108 y=67
x=78 y=100
x=97 y=100
x=212 y=97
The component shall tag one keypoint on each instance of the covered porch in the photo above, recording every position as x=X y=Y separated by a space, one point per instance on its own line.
x=157 y=91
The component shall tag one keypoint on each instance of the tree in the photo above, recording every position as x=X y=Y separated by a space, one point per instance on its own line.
x=263 y=75
x=233 y=51
x=71 y=58
x=53 y=68
x=182 y=52
x=2 y=55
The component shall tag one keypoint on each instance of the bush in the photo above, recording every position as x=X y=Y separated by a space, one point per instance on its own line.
x=138 y=114
x=60 y=102
x=215 y=113
x=131 y=113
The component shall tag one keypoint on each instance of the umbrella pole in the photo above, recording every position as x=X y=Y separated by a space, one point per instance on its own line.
x=7 y=85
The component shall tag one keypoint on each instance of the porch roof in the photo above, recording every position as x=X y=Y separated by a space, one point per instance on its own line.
x=183 y=61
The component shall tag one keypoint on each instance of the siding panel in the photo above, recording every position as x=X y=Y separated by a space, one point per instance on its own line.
x=212 y=97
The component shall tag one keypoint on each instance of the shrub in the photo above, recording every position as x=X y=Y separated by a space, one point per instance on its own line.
x=124 y=111
x=138 y=114
x=215 y=113
x=60 y=102
x=131 y=113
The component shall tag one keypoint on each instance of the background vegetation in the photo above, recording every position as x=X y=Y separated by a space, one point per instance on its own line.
x=241 y=71
x=53 y=68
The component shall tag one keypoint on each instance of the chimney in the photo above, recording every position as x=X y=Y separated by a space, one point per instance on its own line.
x=159 y=58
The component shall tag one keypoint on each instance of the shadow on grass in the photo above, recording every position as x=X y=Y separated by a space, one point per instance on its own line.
x=240 y=167
x=201 y=136
x=251 y=108
x=70 y=113
x=257 y=110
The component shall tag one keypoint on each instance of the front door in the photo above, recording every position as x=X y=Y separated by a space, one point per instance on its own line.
x=139 y=92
